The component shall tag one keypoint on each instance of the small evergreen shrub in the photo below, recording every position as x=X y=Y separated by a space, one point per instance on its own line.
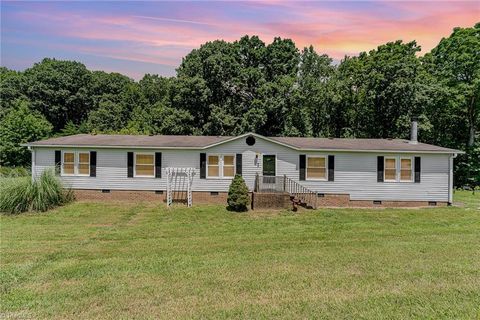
x=238 y=195
x=22 y=194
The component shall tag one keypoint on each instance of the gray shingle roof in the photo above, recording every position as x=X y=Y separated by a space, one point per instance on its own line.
x=116 y=140
x=200 y=142
x=359 y=144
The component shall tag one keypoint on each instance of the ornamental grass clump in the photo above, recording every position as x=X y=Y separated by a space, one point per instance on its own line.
x=22 y=194
x=238 y=195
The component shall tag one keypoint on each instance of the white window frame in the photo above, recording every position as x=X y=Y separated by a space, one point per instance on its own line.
x=385 y=169
x=135 y=175
x=234 y=165
x=76 y=163
x=400 y=170
x=326 y=167
x=62 y=173
x=220 y=165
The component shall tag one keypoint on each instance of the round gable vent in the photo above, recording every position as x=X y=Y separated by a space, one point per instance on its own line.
x=250 y=140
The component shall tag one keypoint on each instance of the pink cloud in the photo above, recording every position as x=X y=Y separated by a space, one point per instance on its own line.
x=166 y=39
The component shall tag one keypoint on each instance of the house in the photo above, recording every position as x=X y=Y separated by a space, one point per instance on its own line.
x=318 y=171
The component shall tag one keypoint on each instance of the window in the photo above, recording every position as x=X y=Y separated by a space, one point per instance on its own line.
x=398 y=169
x=84 y=163
x=75 y=163
x=228 y=166
x=144 y=165
x=220 y=166
x=316 y=168
x=406 y=169
x=390 y=169
x=68 y=164
x=213 y=164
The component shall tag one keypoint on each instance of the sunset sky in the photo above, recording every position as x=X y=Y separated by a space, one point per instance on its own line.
x=137 y=37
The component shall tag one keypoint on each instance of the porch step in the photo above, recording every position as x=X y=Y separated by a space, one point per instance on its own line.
x=299 y=202
x=299 y=194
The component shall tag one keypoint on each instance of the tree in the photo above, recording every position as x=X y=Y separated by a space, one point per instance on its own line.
x=238 y=196
x=60 y=91
x=12 y=88
x=314 y=94
x=21 y=125
x=192 y=95
x=281 y=58
x=155 y=88
x=108 y=86
x=109 y=117
x=455 y=63
x=386 y=85
x=161 y=119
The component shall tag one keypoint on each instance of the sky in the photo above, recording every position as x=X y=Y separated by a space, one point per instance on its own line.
x=136 y=37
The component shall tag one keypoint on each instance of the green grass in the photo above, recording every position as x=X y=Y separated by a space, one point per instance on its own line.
x=123 y=261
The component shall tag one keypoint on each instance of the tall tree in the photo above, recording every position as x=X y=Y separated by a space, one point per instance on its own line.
x=12 y=88
x=314 y=94
x=455 y=63
x=385 y=80
x=60 y=91
x=20 y=125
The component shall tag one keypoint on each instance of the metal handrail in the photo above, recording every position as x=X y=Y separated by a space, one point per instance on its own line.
x=285 y=184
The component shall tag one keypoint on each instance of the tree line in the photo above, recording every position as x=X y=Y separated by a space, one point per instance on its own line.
x=229 y=88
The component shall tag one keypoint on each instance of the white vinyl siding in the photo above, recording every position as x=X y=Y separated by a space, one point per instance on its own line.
x=355 y=173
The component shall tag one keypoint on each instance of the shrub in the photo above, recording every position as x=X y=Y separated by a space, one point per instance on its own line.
x=238 y=196
x=21 y=194
x=13 y=172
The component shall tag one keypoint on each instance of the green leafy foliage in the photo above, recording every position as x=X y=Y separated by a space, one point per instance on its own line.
x=20 y=125
x=22 y=194
x=229 y=88
x=13 y=172
x=238 y=196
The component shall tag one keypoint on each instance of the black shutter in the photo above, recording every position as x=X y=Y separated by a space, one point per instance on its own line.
x=417 y=169
x=158 y=164
x=93 y=163
x=331 y=168
x=203 y=165
x=130 y=164
x=302 y=162
x=58 y=161
x=238 y=163
x=380 y=165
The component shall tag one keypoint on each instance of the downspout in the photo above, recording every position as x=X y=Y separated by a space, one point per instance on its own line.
x=450 y=178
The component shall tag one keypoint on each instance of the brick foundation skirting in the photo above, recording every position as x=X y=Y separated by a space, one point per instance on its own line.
x=259 y=200
x=138 y=196
x=343 y=200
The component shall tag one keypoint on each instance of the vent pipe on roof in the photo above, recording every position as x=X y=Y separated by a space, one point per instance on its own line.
x=414 y=131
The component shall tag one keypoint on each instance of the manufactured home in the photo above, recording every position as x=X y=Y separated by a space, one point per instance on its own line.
x=199 y=169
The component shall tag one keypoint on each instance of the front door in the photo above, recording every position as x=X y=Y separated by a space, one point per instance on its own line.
x=269 y=165
x=269 y=170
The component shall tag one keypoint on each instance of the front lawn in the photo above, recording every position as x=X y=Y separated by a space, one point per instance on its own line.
x=100 y=260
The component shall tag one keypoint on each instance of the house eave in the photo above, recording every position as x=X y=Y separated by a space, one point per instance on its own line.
x=210 y=146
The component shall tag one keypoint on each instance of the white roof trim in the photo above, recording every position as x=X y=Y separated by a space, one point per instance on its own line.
x=250 y=134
